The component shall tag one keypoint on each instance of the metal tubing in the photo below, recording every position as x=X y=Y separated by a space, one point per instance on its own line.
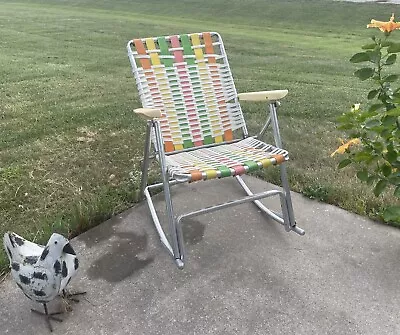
x=145 y=165
x=298 y=230
x=272 y=214
x=267 y=211
x=258 y=203
x=175 y=229
x=156 y=221
x=275 y=125
x=171 y=183
x=282 y=167
x=285 y=186
x=264 y=128
x=229 y=204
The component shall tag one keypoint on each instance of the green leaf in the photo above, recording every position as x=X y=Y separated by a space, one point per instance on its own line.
x=397 y=192
x=375 y=56
x=394 y=112
x=386 y=133
x=369 y=46
x=362 y=175
x=360 y=57
x=372 y=123
x=392 y=213
x=386 y=170
x=378 y=146
x=391 y=156
x=375 y=107
x=344 y=163
x=370 y=113
x=362 y=156
x=389 y=120
x=372 y=94
x=394 y=48
x=394 y=179
x=380 y=187
x=391 y=59
x=346 y=126
x=386 y=44
x=391 y=78
x=364 y=73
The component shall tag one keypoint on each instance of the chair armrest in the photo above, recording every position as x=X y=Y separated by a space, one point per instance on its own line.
x=263 y=95
x=148 y=113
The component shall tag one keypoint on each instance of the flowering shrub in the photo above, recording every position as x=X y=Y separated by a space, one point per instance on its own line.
x=375 y=131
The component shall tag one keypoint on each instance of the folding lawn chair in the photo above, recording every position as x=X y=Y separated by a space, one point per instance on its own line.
x=196 y=126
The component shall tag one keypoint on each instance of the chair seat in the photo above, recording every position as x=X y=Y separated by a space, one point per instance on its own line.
x=224 y=160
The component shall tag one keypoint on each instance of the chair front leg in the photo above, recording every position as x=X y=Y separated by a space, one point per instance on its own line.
x=174 y=225
x=146 y=160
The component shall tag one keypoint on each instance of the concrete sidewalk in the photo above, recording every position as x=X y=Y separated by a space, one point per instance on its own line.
x=244 y=274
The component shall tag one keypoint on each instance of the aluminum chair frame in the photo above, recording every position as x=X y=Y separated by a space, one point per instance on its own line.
x=175 y=243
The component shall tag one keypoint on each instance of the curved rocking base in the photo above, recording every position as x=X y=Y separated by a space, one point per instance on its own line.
x=176 y=248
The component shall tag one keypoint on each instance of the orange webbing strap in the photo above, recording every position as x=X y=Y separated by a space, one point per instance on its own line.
x=279 y=159
x=209 y=47
x=146 y=64
x=196 y=175
x=141 y=50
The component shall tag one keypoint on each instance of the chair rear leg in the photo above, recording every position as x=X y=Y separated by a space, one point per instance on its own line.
x=286 y=205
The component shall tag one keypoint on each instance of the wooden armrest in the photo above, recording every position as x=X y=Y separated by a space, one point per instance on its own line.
x=263 y=95
x=148 y=113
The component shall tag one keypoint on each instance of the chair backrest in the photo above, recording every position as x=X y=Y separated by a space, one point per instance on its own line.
x=189 y=79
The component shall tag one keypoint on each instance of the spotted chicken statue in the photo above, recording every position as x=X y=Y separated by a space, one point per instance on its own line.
x=42 y=272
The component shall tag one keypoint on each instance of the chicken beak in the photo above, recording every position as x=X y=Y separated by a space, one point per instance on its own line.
x=68 y=249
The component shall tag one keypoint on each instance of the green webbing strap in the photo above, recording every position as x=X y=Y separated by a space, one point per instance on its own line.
x=162 y=42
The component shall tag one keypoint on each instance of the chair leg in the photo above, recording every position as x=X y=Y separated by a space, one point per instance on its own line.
x=286 y=202
x=146 y=160
x=287 y=207
x=174 y=226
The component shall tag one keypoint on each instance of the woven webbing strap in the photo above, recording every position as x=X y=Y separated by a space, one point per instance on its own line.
x=225 y=160
x=189 y=79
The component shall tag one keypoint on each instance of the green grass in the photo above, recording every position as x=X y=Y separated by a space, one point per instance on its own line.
x=69 y=143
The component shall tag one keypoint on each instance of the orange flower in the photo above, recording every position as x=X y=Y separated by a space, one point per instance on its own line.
x=385 y=26
x=345 y=146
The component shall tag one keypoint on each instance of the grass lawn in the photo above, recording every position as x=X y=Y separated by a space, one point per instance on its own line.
x=69 y=143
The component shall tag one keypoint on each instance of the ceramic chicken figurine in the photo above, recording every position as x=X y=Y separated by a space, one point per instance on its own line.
x=42 y=272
